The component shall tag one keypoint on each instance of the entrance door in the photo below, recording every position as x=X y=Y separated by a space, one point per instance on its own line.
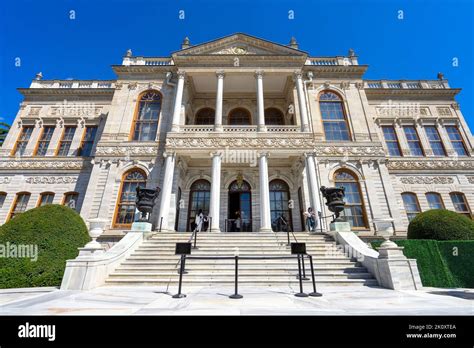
x=240 y=207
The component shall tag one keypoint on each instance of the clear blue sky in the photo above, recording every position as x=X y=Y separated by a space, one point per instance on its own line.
x=425 y=42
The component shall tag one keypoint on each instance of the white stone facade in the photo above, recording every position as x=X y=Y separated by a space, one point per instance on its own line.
x=238 y=71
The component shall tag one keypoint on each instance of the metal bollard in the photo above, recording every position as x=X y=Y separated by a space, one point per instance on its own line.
x=314 y=293
x=301 y=293
x=236 y=292
x=179 y=294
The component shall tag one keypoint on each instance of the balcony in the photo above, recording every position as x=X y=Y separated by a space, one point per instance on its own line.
x=73 y=84
x=149 y=61
x=238 y=129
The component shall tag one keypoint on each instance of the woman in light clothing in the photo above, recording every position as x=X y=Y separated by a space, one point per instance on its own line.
x=199 y=221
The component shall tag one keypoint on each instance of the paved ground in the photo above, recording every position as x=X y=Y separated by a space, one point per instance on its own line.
x=360 y=300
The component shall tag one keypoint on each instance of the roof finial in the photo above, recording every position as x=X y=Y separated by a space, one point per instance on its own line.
x=440 y=76
x=186 y=43
x=351 y=53
x=128 y=53
x=39 y=76
x=293 y=43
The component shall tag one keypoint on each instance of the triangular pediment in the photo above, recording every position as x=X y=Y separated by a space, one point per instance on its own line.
x=239 y=45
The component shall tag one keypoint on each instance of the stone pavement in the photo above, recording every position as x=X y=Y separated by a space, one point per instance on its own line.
x=149 y=300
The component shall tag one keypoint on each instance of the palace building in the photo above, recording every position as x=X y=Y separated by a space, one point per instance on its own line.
x=245 y=129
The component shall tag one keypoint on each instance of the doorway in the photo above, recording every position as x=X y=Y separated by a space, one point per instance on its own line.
x=239 y=217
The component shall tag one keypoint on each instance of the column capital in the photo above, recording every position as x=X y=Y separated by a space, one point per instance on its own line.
x=263 y=154
x=181 y=74
x=309 y=154
x=169 y=154
x=297 y=75
x=259 y=73
x=215 y=153
x=220 y=74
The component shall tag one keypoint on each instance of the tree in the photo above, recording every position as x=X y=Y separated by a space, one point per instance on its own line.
x=4 y=128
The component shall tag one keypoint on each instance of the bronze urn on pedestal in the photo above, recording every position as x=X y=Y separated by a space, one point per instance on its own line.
x=334 y=200
x=145 y=201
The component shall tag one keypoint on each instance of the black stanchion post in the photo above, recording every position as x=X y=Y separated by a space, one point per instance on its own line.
x=179 y=294
x=210 y=224
x=161 y=222
x=236 y=293
x=314 y=293
x=288 y=236
x=303 y=266
x=195 y=240
x=301 y=293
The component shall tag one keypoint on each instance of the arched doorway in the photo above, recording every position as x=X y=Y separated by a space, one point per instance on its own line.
x=240 y=207
x=239 y=117
x=274 y=117
x=199 y=198
x=279 y=210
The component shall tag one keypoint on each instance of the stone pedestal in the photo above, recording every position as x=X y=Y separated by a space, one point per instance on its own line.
x=141 y=226
x=338 y=226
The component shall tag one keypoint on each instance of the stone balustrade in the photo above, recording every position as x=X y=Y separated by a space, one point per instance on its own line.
x=66 y=84
x=403 y=84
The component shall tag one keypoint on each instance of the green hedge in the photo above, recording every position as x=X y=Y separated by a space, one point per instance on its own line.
x=56 y=230
x=441 y=224
x=437 y=265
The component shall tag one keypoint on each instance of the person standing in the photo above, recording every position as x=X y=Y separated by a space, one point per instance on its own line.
x=199 y=220
x=310 y=220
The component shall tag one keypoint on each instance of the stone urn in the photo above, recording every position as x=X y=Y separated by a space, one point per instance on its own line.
x=96 y=228
x=384 y=229
x=145 y=201
x=334 y=200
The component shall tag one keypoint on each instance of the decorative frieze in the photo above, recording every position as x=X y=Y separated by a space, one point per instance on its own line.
x=78 y=110
x=51 y=180
x=31 y=164
x=252 y=143
x=470 y=179
x=432 y=164
x=422 y=180
x=349 y=151
x=126 y=150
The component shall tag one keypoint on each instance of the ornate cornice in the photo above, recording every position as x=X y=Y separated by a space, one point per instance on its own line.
x=352 y=150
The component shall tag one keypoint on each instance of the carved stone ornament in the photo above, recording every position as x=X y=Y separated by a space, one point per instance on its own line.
x=349 y=150
x=126 y=150
x=5 y=180
x=414 y=165
x=51 y=180
x=238 y=50
x=470 y=179
x=199 y=143
x=29 y=164
x=426 y=180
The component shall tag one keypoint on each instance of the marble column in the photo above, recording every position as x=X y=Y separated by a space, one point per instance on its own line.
x=298 y=76
x=265 y=217
x=214 y=205
x=260 y=101
x=219 y=98
x=178 y=101
x=313 y=183
x=164 y=212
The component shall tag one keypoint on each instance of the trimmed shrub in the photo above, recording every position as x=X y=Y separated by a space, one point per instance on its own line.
x=441 y=224
x=433 y=268
x=56 y=231
x=459 y=257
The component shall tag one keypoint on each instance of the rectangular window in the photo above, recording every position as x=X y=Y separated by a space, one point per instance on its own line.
x=66 y=140
x=391 y=140
x=412 y=207
x=460 y=204
x=22 y=141
x=413 y=141
x=456 y=140
x=46 y=198
x=87 y=142
x=20 y=205
x=435 y=141
x=70 y=199
x=44 y=141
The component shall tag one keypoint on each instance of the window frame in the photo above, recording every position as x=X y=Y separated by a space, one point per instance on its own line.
x=198 y=113
x=75 y=193
x=408 y=213
x=467 y=212
x=461 y=140
x=80 y=150
x=276 y=111
x=397 y=140
x=440 y=200
x=4 y=195
x=119 y=203
x=19 y=140
x=345 y=119
x=361 y=196
x=61 y=141
x=12 y=213
x=439 y=140
x=246 y=111
x=42 y=141
x=136 y=115
x=42 y=194
x=414 y=141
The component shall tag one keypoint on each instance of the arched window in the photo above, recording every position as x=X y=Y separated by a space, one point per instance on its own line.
x=20 y=204
x=199 y=198
x=460 y=204
x=412 y=207
x=354 y=209
x=434 y=200
x=145 y=124
x=279 y=205
x=205 y=116
x=334 y=118
x=45 y=198
x=125 y=213
x=239 y=117
x=274 y=117
x=70 y=199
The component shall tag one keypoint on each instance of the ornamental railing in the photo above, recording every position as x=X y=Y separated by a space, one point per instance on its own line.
x=239 y=129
